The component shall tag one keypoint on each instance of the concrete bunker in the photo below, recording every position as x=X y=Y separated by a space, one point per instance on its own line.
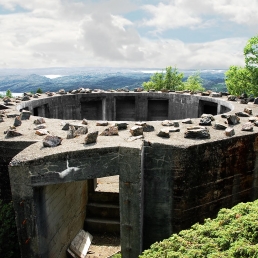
x=165 y=184
x=119 y=106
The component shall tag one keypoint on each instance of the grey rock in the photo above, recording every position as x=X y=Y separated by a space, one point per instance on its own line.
x=205 y=121
x=17 y=121
x=39 y=120
x=167 y=123
x=232 y=98
x=113 y=130
x=134 y=138
x=52 y=141
x=219 y=126
x=187 y=121
x=41 y=132
x=242 y=114
x=243 y=101
x=173 y=130
x=215 y=94
x=35 y=96
x=256 y=101
x=209 y=116
x=81 y=130
x=88 y=90
x=102 y=123
x=252 y=119
x=136 y=130
x=66 y=126
x=248 y=111
x=176 y=124
x=91 y=137
x=230 y=132
x=205 y=93
x=25 y=115
x=71 y=132
x=1 y=119
x=197 y=133
x=2 y=107
x=12 y=115
x=41 y=126
x=84 y=121
x=148 y=128
x=233 y=119
x=256 y=123
x=247 y=127
x=121 y=125
x=225 y=116
x=12 y=133
x=164 y=133
x=25 y=98
x=141 y=123
x=62 y=91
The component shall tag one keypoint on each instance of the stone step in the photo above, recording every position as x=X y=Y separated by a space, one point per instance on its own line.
x=104 y=197
x=96 y=225
x=103 y=210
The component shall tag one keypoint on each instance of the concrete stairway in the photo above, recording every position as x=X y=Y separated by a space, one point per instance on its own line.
x=102 y=213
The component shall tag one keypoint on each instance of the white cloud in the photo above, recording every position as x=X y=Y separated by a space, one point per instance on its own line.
x=110 y=36
x=96 y=33
x=168 y=16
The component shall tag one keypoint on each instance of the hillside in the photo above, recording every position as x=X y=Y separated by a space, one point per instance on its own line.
x=53 y=79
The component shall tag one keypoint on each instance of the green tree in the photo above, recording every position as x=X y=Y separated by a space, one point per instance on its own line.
x=245 y=79
x=169 y=81
x=8 y=94
x=173 y=79
x=194 y=82
x=238 y=81
x=39 y=90
x=156 y=82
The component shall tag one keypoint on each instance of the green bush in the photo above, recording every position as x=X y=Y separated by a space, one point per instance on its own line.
x=39 y=90
x=234 y=233
x=9 y=245
x=8 y=94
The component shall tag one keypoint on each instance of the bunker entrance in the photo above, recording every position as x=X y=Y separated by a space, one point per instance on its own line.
x=207 y=107
x=91 y=109
x=157 y=109
x=125 y=109
x=103 y=215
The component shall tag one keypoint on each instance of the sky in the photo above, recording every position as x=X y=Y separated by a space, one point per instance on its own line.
x=187 y=34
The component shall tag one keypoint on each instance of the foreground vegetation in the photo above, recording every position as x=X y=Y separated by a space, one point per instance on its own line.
x=234 y=233
x=245 y=79
x=9 y=246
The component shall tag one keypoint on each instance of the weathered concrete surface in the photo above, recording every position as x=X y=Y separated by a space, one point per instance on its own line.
x=166 y=184
x=122 y=106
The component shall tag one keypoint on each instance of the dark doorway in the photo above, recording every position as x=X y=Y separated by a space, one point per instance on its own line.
x=91 y=109
x=157 y=109
x=207 y=107
x=125 y=109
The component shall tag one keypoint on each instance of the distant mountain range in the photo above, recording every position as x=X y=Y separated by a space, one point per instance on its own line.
x=53 y=79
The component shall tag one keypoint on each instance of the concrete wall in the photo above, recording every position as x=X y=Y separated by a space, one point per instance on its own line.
x=183 y=186
x=8 y=150
x=124 y=106
x=60 y=210
x=50 y=206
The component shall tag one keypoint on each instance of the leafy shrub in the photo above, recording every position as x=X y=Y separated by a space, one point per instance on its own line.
x=39 y=90
x=234 y=233
x=8 y=94
x=9 y=245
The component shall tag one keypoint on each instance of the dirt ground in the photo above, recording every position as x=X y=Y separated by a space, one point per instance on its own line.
x=104 y=246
